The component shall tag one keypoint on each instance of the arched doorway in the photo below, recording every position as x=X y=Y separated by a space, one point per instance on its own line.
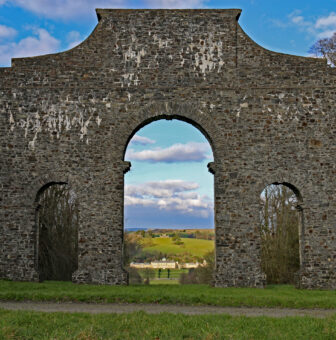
x=57 y=232
x=169 y=204
x=281 y=218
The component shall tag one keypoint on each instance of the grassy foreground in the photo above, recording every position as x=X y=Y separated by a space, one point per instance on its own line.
x=272 y=296
x=36 y=325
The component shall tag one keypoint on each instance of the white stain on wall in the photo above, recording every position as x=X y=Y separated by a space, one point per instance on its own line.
x=55 y=120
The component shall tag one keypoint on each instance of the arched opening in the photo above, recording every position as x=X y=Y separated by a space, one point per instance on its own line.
x=281 y=218
x=57 y=232
x=169 y=204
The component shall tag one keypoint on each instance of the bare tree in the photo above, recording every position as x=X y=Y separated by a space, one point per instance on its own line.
x=279 y=234
x=132 y=249
x=57 y=222
x=326 y=48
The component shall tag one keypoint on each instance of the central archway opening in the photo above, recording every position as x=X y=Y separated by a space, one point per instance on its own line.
x=169 y=205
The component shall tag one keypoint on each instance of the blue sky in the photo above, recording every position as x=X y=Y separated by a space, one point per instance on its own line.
x=34 y=27
x=169 y=184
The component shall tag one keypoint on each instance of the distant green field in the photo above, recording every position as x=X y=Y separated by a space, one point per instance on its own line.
x=193 y=246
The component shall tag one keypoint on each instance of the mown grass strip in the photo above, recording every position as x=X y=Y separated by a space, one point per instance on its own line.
x=36 y=325
x=273 y=296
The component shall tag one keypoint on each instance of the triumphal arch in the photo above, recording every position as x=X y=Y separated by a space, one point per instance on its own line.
x=68 y=117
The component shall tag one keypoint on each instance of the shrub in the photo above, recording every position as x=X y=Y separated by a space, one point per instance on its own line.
x=202 y=274
x=133 y=276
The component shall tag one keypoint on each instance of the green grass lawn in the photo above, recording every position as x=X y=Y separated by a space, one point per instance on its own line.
x=35 y=325
x=173 y=279
x=173 y=273
x=272 y=296
x=164 y=282
x=193 y=246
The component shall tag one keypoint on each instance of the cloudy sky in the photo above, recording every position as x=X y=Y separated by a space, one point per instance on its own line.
x=34 y=27
x=168 y=185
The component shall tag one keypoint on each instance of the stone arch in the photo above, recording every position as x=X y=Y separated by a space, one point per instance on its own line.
x=264 y=127
x=289 y=179
x=187 y=112
x=35 y=189
x=40 y=182
x=37 y=206
x=37 y=233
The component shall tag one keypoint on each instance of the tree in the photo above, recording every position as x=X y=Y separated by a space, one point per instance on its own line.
x=132 y=251
x=201 y=274
x=132 y=247
x=326 y=48
x=280 y=257
x=57 y=222
x=177 y=239
x=149 y=274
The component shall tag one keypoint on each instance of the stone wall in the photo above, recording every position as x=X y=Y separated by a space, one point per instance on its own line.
x=68 y=117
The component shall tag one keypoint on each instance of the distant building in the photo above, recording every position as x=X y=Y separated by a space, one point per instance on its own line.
x=163 y=264
x=189 y=265
x=192 y=265
x=140 y=265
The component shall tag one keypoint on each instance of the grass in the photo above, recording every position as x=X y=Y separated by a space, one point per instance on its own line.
x=173 y=273
x=193 y=246
x=273 y=296
x=35 y=325
x=164 y=282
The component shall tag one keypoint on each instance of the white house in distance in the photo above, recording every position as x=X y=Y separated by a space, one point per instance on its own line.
x=164 y=264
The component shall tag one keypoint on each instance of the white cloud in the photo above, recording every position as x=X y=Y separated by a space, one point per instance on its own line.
x=327 y=24
x=170 y=195
x=161 y=188
x=7 y=32
x=298 y=20
x=323 y=27
x=73 y=38
x=142 y=140
x=38 y=44
x=190 y=152
x=176 y=3
x=66 y=9
x=330 y=20
x=326 y=34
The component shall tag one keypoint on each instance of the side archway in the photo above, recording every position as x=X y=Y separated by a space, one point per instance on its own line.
x=282 y=231
x=56 y=229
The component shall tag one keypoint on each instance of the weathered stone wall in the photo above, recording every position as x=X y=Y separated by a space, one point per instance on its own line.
x=68 y=117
